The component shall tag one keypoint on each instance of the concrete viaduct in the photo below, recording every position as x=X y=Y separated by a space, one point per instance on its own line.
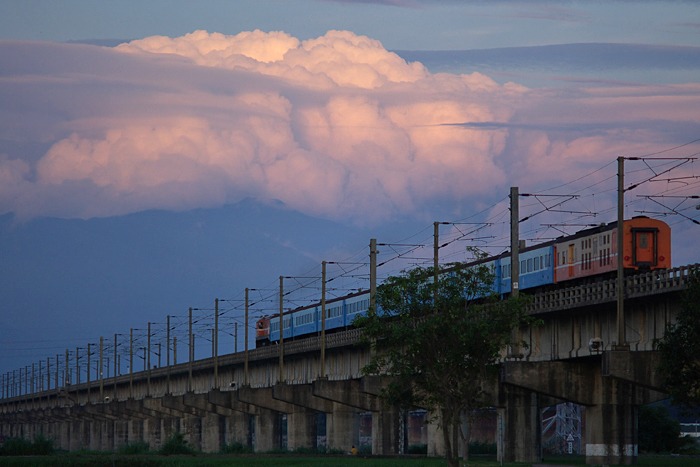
x=559 y=365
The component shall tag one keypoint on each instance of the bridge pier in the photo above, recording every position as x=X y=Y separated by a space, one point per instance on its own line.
x=267 y=430
x=121 y=433
x=520 y=414
x=343 y=428
x=153 y=432
x=612 y=394
x=361 y=394
x=237 y=428
x=613 y=439
x=135 y=431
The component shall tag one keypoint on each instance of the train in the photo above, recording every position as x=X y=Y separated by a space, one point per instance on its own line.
x=588 y=255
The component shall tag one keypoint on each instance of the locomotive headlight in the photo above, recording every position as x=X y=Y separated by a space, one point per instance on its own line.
x=627 y=258
x=662 y=258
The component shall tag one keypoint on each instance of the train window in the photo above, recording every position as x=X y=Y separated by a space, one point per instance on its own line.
x=522 y=267
x=643 y=241
x=334 y=312
x=529 y=265
x=537 y=263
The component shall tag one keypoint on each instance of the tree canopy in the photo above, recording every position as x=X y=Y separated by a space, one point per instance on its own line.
x=680 y=349
x=440 y=341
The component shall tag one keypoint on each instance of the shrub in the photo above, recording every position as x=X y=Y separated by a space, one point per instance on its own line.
x=658 y=432
x=131 y=449
x=277 y=451
x=364 y=450
x=176 y=444
x=236 y=448
x=16 y=447
x=41 y=446
x=418 y=449
x=327 y=450
x=476 y=447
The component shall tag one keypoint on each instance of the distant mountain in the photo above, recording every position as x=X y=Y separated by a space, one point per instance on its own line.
x=65 y=282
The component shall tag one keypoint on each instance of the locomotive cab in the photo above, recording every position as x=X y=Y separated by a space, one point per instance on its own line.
x=645 y=247
x=647 y=244
x=262 y=332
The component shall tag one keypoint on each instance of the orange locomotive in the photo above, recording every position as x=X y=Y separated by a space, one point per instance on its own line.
x=590 y=252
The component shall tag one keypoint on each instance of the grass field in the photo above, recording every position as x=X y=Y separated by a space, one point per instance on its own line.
x=292 y=461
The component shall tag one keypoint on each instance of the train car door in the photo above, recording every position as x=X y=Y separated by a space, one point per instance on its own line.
x=644 y=247
x=572 y=260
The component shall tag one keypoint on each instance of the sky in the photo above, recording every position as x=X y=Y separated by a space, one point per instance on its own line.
x=157 y=155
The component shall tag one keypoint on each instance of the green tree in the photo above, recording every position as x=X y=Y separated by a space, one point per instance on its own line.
x=439 y=348
x=680 y=349
x=658 y=432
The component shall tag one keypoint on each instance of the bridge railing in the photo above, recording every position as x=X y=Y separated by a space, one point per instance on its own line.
x=638 y=285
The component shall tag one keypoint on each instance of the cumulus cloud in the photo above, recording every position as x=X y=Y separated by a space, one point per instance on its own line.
x=335 y=126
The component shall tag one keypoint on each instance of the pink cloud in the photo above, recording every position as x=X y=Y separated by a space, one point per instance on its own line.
x=335 y=126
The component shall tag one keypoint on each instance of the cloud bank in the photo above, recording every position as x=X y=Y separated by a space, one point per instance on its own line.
x=336 y=127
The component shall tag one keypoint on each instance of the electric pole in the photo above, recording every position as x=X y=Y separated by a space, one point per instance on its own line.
x=281 y=376
x=216 y=343
x=245 y=366
x=323 y=319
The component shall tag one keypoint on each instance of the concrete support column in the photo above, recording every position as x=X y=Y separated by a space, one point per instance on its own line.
x=94 y=431
x=267 y=430
x=343 y=428
x=135 y=434
x=153 y=432
x=301 y=430
x=170 y=426
x=107 y=435
x=611 y=434
x=237 y=428
x=192 y=428
x=522 y=433
x=385 y=431
x=64 y=435
x=76 y=428
x=86 y=433
x=213 y=432
x=121 y=433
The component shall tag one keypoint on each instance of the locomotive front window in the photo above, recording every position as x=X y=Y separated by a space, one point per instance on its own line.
x=643 y=241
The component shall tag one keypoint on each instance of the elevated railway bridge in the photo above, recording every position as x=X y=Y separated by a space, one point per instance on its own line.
x=572 y=357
